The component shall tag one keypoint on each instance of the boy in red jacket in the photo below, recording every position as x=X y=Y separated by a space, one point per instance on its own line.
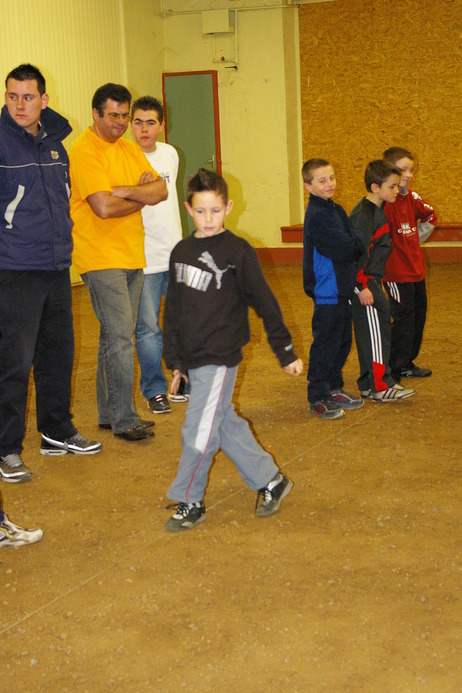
x=411 y=220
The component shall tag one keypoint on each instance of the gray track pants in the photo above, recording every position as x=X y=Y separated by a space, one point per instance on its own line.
x=210 y=424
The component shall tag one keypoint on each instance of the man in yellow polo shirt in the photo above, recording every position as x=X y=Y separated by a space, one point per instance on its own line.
x=111 y=181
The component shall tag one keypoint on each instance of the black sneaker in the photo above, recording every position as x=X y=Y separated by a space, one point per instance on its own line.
x=159 y=404
x=13 y=470
x=413 y=371
x=186 y=516
x=76 y=444
x=326 y=409
x=143 y=424
x=272 y=495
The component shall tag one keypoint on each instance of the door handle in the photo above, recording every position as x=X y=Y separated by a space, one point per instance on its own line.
x=211 y=161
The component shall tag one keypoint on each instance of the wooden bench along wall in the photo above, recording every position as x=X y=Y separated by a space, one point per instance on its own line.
x=444 y=245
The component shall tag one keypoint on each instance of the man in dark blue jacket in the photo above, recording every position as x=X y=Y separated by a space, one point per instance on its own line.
x=35 y=292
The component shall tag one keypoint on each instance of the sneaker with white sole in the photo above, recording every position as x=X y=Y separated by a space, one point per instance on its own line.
x=392 y=394
x=13 y=470
x=326 y=409
x=346 y=401
x=178 y=397
x=272 y=495
x=182 y=394
x=186 y=516
x=159 y=404
x=12 y=535
x=75 y=445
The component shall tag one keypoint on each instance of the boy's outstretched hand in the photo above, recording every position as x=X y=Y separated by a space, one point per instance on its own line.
x=294 y=368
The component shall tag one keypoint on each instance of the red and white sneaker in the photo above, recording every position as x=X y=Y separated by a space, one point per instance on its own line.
x=346 y=401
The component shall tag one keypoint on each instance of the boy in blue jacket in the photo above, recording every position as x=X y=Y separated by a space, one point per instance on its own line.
x=330 y=249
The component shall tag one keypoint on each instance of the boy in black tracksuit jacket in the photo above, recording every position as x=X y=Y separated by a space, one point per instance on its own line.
x=214 y=277
x=370 y=307
x=330 y=248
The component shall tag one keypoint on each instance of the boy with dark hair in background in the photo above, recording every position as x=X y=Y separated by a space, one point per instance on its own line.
x=370 y=307
x=330 y=248
x=214 y=277
x=411 y=220
x=162 y=226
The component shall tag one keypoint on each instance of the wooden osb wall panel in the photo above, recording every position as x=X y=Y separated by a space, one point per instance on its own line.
x=376 y=74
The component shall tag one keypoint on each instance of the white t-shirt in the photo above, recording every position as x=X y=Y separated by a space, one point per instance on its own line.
x=162 y=223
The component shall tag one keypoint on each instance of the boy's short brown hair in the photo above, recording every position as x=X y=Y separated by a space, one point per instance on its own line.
x=204 y=180
x=394 y=154
x=378 y=171
x=310 y=166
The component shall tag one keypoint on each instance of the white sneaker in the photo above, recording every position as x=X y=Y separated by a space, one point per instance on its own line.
x=12 y=535
x=393 y=394
x=178 y=397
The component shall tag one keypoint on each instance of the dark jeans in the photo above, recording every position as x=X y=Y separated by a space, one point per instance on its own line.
x=332 y=336
x=35 y=330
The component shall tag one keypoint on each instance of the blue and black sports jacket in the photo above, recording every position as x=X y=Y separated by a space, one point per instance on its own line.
x=330 y=248
x=35 y=226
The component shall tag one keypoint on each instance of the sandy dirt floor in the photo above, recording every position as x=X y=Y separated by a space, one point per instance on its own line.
x=354 y=586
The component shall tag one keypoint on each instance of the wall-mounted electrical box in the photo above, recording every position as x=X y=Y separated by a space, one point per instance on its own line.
x=217 y=22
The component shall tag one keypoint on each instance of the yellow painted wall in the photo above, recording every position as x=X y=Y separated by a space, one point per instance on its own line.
x=78 y=45
x=376 y=74
x=81 y=44
x=144 y=46
x=259 y=112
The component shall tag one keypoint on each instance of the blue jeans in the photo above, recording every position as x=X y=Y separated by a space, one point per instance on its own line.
x=148 y=335
x=115 y=296
x=35 y=330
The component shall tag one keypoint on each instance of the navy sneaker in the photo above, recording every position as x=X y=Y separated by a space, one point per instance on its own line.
x=326 y=409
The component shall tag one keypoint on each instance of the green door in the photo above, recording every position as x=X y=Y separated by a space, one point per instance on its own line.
x=192 y=126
